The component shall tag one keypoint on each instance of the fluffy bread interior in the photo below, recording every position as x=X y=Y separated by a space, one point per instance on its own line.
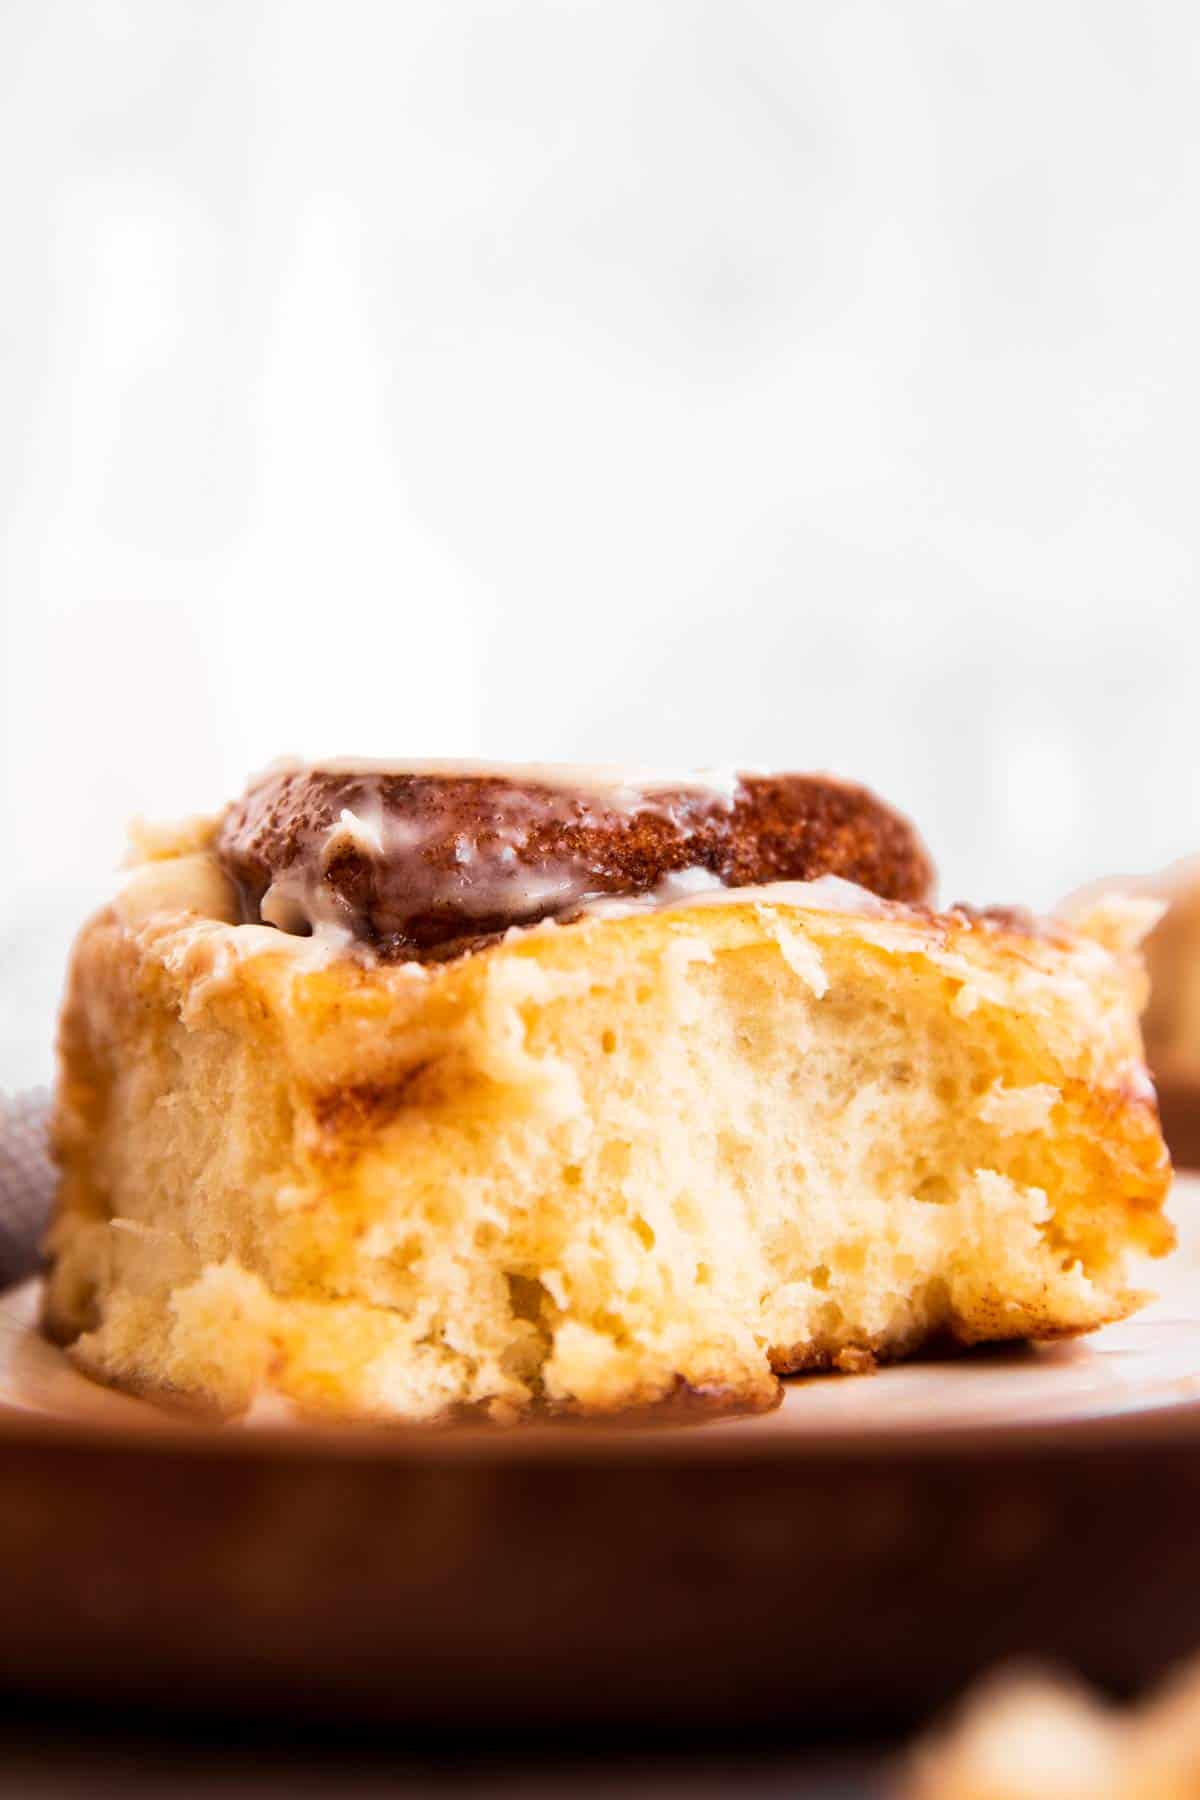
x=591 y=1167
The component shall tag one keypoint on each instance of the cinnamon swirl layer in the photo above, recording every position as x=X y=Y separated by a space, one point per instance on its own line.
x=424 y=861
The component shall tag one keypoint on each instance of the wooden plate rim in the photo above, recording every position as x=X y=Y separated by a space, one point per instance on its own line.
x=1139 y=1422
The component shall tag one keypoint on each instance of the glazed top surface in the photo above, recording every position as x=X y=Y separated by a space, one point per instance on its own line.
x=425 y=860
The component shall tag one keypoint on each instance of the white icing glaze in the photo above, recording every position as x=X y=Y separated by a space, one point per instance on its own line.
x=352 y=828
x=621 y=787
x=484 y=884
x=674 y=889
x=696 y=887
x=828 y=893
x=332 y=941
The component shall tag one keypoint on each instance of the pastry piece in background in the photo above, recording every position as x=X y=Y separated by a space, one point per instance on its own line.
x=1171 y=1022
x=582 y=1093
x=1039 y=1737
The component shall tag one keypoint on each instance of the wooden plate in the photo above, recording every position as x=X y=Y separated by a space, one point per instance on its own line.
x=849 y=1560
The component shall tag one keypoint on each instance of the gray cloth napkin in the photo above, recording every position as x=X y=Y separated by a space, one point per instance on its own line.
x=26 y=1183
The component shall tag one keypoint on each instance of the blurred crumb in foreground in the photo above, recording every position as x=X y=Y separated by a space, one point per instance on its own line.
x=1029 y=1735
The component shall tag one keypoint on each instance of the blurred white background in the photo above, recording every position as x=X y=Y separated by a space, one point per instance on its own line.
x=653 y=379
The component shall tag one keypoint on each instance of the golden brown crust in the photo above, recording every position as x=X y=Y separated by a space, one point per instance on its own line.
x=441 y=869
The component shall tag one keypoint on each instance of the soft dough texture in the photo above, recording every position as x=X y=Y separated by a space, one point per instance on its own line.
x=593 y=1166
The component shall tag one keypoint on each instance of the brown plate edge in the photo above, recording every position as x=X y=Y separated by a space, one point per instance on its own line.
x=1155 y=1420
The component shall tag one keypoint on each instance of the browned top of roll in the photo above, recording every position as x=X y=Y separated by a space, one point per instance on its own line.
x=424 y=865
